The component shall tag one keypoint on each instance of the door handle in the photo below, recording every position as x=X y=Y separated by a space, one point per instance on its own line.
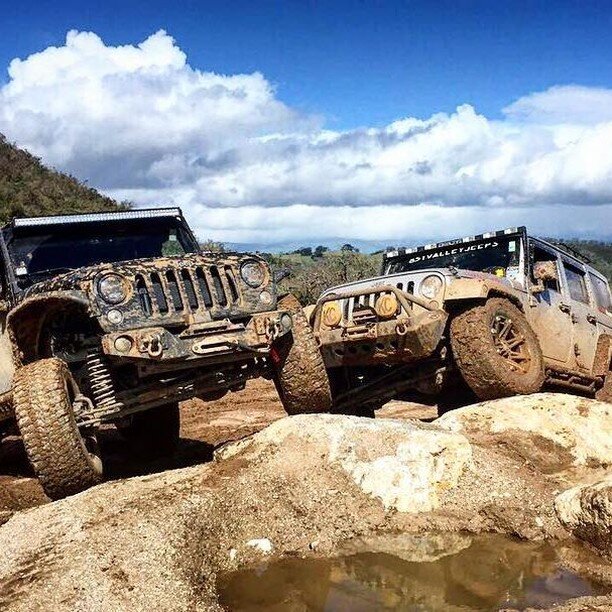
x=565 y=307
x=591 y=319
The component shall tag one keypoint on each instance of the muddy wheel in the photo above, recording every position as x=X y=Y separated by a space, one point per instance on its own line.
x=300 y=376
x=496 y=351
x=155 y=432
x=65 y=460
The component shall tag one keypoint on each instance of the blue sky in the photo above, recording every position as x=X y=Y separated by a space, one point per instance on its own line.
x=357 y=63
x=289 y=122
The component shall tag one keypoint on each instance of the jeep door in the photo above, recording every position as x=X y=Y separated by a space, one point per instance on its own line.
x=550 y=314
x=582 y=314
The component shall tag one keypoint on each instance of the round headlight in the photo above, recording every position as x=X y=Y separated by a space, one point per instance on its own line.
x=253 y=273
x=112 y=288
x=430 y=286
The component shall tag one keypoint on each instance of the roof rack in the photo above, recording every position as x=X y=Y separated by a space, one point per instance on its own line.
x=570 y=250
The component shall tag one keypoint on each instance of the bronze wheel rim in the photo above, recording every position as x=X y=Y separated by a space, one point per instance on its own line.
x=510 y=343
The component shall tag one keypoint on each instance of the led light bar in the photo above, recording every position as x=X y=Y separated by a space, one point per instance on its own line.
x=124 y=215
x=438 y=245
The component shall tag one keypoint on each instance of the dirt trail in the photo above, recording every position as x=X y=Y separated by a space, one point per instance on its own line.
x=204 y=426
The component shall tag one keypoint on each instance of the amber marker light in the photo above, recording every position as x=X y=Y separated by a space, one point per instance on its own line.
x=386 y=306
x=331 y=315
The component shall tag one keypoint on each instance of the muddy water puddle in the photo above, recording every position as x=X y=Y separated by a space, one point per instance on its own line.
x=432 y=572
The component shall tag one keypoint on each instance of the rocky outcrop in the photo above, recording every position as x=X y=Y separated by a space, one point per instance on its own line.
x=403 y=464
x=586 y=511
x=303 y=486
x=552 y=431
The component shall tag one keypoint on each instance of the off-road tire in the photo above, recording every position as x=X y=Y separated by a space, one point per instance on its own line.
x=300 y=376
x=485 y=371
x=53 y=442
x=155 y=432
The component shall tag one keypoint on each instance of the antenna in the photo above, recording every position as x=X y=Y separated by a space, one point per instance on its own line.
x=572 y=251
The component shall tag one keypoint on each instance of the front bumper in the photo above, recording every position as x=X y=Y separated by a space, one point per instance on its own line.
x=413 y=333
x=211 y=341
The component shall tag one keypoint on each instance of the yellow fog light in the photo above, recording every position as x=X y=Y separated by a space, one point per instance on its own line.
x=331 y=315
x=386 y=306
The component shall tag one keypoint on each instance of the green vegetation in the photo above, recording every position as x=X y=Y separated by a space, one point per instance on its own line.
x=312 y=274
x=28 y=189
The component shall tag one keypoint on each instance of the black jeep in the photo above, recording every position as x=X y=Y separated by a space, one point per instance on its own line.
x=116 y=317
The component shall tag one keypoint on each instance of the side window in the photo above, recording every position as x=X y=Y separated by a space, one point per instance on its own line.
x=601 y=292
x=539 y=257
x=576 y=284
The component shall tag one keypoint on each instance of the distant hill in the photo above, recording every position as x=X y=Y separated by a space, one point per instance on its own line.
x=27 y=188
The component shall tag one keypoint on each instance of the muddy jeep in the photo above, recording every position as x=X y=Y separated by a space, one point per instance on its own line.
x=114 y=318
x=487 y=316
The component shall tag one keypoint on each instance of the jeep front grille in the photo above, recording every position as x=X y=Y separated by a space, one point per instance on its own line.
x=365 y=302
x=179 y=290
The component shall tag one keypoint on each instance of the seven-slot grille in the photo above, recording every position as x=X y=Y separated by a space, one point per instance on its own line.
x=179 y=290
x=351 y=305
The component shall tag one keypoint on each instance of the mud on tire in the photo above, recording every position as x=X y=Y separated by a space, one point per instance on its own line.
x=42 y=399
x=155 y=432
x=300 y=376
x=496 y=350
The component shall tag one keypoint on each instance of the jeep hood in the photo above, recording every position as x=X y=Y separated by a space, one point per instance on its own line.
x=401 y=278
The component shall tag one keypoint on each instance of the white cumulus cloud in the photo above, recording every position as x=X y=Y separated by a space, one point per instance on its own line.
x=142 y=124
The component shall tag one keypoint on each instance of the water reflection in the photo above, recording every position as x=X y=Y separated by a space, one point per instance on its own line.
x=483 y=573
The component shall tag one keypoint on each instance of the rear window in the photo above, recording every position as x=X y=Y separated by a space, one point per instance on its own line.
x=576 y=284
x=601 y=292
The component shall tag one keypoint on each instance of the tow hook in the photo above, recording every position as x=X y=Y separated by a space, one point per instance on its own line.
x=152 y=345
x=277 y=327
x=401 y=329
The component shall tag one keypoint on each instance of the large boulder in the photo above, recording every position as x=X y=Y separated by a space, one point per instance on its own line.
x=586 y=511
x=552 y=431
x=404 y=464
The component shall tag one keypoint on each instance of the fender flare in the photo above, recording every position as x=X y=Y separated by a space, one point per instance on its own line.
x=25 y=322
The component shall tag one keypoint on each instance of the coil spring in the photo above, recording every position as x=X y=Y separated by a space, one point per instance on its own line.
x=101 y=383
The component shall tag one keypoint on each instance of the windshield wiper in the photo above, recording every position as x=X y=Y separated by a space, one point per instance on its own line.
x=50 y=271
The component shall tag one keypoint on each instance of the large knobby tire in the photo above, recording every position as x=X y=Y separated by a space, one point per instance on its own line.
x=43 y=393
x=300 y=376
x=496 y=350
x=155 y=432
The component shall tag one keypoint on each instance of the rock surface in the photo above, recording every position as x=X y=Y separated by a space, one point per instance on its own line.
x=404 y=464
x=554 y=431
x=586 y=511
x=303 y=486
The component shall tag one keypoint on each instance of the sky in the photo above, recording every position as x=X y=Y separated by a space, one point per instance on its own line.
x=277 y=123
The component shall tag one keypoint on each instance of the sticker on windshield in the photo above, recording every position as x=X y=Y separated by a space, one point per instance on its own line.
x=455 y=251
x=511 y=246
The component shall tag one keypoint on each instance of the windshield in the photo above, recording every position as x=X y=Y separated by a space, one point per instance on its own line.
x=493 y=255
x=39 y=252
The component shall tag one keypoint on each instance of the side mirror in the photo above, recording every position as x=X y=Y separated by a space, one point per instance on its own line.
x=280 y=274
